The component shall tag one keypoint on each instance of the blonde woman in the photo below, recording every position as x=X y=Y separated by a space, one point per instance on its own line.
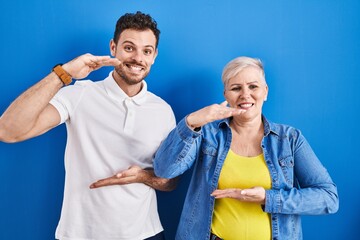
x=252 y=178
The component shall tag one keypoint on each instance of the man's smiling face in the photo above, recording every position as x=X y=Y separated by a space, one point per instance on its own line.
x=137 y=52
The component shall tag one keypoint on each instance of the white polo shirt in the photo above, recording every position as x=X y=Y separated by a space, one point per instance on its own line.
x=107 y=132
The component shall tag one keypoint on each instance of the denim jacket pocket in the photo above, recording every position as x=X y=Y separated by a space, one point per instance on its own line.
x=287 y=167
x=207 y=155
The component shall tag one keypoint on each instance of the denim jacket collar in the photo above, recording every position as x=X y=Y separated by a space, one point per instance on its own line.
x=268 y=126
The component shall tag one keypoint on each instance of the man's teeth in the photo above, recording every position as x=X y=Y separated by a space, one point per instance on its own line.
x=136 y=68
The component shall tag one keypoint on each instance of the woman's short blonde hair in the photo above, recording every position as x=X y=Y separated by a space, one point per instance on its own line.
x=238 y=64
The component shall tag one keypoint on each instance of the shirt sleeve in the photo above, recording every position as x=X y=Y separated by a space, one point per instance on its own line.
x=178 y=151
x=66 y=100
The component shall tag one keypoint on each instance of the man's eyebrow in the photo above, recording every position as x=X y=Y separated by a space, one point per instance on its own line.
x=127 y=41
x=150 y=46
x=130 y=42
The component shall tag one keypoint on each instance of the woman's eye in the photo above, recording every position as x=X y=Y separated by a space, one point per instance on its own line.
x=235 y=89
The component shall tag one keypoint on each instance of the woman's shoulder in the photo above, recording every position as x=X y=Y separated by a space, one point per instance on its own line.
x=281 y=129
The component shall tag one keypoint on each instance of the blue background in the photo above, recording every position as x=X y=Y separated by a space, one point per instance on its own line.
x=311 y=54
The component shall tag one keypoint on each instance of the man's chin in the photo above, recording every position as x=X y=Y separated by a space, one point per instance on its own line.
x=134 y=78
x=131 y=79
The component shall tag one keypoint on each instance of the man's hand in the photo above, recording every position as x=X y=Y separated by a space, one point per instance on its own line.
x=83 y=65
x=136 y=174
x=211 y=113
x=255 y=194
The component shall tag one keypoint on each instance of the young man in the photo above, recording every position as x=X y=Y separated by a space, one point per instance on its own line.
x=113 y=126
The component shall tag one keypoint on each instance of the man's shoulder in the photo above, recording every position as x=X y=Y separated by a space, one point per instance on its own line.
x=85 y=83
x=77 y=89
x=78 y=85
x=153 y=98
x=81 y=85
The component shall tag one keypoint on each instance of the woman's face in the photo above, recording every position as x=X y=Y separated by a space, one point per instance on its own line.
x=248 y=91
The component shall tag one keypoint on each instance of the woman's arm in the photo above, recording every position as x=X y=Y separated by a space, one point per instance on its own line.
x=180 y=149
x=317 y=193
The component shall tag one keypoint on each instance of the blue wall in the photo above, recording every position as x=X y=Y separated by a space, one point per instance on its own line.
x=311 y=53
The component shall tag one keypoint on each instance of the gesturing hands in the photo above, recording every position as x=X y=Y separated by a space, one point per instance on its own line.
x=133 y=174
x=136 y=174
x=83 y=65
x=255 y=194
x=211 y=113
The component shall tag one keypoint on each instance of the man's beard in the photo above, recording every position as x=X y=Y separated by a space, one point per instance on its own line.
x=128 y=78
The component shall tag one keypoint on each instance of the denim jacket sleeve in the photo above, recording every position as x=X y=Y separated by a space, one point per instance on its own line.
x=312 y=192
x=177 y=152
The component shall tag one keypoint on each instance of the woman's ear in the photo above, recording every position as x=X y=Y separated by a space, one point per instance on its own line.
x=224 y=94
x=266 y=95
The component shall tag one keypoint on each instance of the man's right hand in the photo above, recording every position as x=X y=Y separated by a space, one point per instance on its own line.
x=83 y=65
x=31 y=114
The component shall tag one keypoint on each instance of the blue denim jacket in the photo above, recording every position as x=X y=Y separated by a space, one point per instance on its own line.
x=300 y=183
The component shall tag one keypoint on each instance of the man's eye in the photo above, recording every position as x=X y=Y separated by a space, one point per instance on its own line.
x=147 y=52
x=128 y=48
x=253 y=86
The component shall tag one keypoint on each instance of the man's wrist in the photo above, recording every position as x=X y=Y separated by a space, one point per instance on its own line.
x=63 y=75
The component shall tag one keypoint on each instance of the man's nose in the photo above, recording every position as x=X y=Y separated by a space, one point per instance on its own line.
x=137 y=56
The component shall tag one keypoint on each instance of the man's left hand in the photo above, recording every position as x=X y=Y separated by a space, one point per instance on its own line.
x=133 y=174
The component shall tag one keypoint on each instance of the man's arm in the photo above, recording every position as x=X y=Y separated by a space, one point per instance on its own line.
x=135 y=174
x=30 y=111
x=31 y=114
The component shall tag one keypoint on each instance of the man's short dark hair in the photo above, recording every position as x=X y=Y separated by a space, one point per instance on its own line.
x=137 y=21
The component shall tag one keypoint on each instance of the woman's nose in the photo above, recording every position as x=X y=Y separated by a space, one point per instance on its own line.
x=244 y=93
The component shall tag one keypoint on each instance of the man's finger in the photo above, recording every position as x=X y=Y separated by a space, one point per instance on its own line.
x=104 y=182
x=111 y=62
x=118 y=179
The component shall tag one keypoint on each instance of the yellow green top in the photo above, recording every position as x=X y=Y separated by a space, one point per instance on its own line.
x=233 y=219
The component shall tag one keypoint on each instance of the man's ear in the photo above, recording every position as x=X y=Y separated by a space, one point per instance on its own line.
x=112 y=47
x=156 y=53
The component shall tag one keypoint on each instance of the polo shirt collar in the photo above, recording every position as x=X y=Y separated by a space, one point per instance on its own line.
x=115 y=92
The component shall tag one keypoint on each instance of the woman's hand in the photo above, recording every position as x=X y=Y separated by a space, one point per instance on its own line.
x=255 y=194
x=211 y=113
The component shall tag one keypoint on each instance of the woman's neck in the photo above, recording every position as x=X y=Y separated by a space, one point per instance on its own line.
x=247 y=137
x=247 y=127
